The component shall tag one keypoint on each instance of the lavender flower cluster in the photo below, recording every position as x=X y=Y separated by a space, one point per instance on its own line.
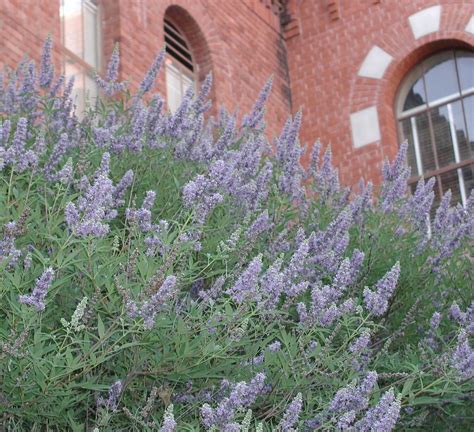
x=93 y=211
x=112 y=400
x=242 y=395
x=9 y=254
x=37 y=296
x=151 y=307
x=377 y=301
x=351 y=401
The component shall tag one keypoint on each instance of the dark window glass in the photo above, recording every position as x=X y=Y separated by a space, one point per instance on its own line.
x=450 y=180
x=468 y=175
x=416 y=96
x=424 y=141
x=442 y=133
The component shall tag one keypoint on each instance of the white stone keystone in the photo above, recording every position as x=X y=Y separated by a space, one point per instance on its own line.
x=425 y=22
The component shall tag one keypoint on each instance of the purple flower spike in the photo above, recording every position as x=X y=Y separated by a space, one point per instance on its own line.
x=382 y=417
x=150 y=76
x=377 y=301
x=112 y=400
x=354 y=397
x=46 y=65
x=150 y=308
x=246 y=285
x=255 y=118
x=462 y=358
x=259 y=226
x=395 y=180
x=241 y=396
x=291 y=414
x=169 y=423
x=36 y=298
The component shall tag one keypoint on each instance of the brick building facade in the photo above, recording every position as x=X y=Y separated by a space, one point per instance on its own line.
x=342 y=62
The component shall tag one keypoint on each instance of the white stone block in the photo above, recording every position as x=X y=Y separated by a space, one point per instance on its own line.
x=470 y=25
x=365 y=127
x=375 y=63
x=425 y=22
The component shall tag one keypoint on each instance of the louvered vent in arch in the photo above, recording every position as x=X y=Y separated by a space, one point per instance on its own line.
x=177 y=47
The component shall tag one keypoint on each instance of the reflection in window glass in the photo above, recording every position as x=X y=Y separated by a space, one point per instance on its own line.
x=440 y=78
x=468 y=177
x=460 y=129
x=442 y=133
x=423 y=137
x=416 y=96
x=465 y=61
x=450 y=180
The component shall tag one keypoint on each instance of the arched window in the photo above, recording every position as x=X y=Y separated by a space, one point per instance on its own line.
x=180 y=66
x=435 y=110
x=81 y=45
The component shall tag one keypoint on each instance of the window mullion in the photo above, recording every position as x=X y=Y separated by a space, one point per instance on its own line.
x=416 y=144
x=457 y=157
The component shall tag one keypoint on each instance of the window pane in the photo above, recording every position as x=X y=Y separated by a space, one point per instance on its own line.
x=465 y=61
x=440 y=77
x=461 y=130
x=424 y=140
x=468 y=175
x=450 y=180
x=411 y=155
x=468 y=104
x=71 y=14
x=173 y=87
x=437 y=197
x=442 y=133
x=187 y=82
x=416 y=96
x=91 y=39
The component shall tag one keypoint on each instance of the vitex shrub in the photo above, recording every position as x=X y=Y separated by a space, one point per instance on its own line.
x=179 y=271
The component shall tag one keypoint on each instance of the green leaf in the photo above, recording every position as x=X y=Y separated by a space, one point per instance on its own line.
x=100 y=327
x=407 y=386
x=425 y=400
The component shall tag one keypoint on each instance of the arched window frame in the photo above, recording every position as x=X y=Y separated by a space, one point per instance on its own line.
x=461 y=163
x=177 y=65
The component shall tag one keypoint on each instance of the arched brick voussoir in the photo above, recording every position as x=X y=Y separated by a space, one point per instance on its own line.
x=399 y=42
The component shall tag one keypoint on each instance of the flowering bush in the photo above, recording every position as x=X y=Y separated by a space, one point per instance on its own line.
x=176 y=271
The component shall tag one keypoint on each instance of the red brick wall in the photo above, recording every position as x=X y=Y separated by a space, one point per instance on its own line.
x=328 y=40
x=24 y=26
